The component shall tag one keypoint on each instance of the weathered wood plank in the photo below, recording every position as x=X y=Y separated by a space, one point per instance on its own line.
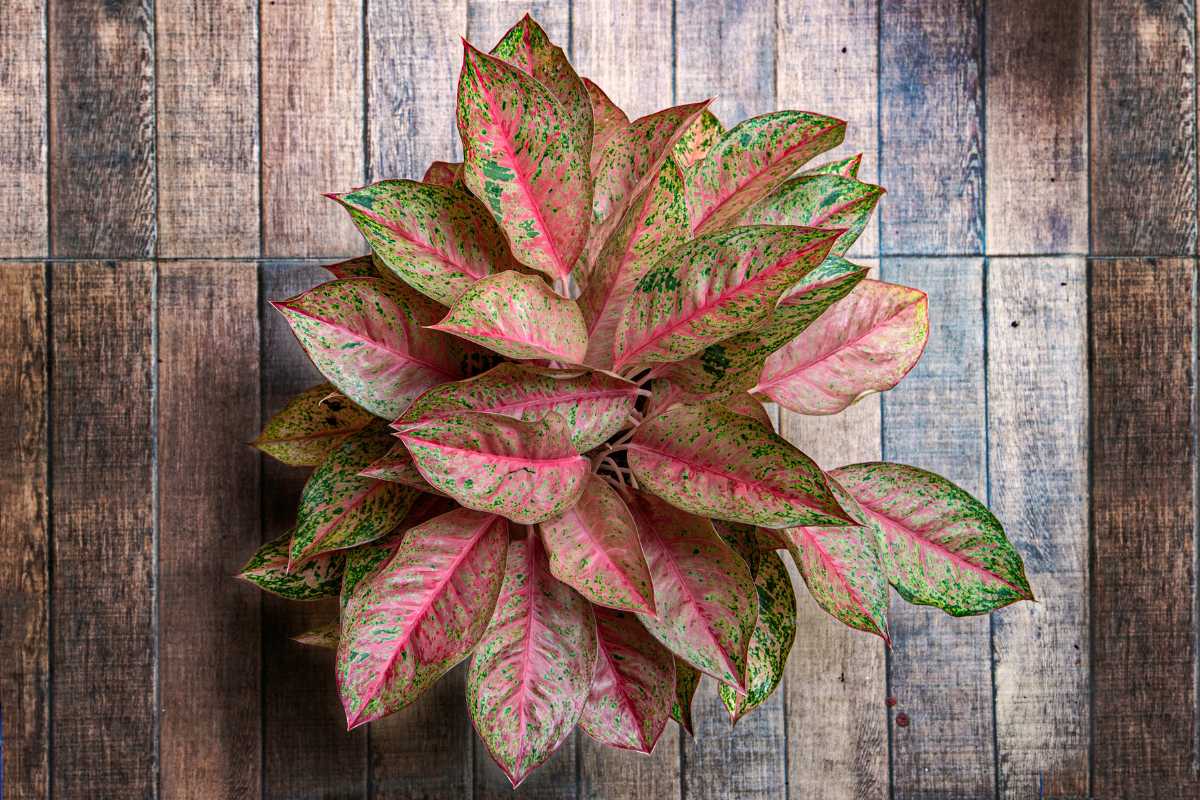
x=836 y=680
x=1036 y=126
x=414 y=55
x=306 y=750
x=726 y=49
x=102 y=174
x=929 y=124
x=23 y=123
x=24 y=535
x=940 y=668
x=102 y=572
x=208 y=526
x=625 y=47
x=312 y=125
x=553 y=780
x=1143 y=511
x=207 y=81
x=1143 y=128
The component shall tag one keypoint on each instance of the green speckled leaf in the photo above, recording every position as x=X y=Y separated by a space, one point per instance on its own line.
x=702 y=590
x=410 y=622
x=748 y=406
x=325 y=637
x=523 y=161
x=361 y=267
x=396 y=465
x=529 y=677
x=821 y=201
x=527 y=47
x=866 y=343
x=687 y=678
x=709 y=460
x=654 y=225
x=525 y=471
x=941 y=547
x=365 y=335
x=775 y=629
x=846 y=167
x=698 y=139
x=339 y=508
x=310 y=426
x=607 y=120
x=633 y=687
x=444 y=173
x=751 y=160
x=595 y=404
x=733 y=366
x=268 y=570
x=436 y=239
x=594 y=549
x=518 y=316
x=713 y=288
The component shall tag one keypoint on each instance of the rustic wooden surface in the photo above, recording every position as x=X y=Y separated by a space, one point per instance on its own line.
x=161 y=165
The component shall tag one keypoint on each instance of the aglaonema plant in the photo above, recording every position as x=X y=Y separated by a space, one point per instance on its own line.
x=543 y=447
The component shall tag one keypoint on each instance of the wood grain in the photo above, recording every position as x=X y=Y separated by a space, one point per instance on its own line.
x=940 y=666
x=413 y=58
x=1143 y=511
x=23 y=197
x=1038 y=429
x=312 y=125
x=836 y=678
x=306 y=749
x=1036 y=108
x=931 y=159
x=726 y=49
x=208 y=526
x=102 y=173
x=207 y=83
x=625 y=47
x=1143 y=128
x=102 y=450
x=24 y=535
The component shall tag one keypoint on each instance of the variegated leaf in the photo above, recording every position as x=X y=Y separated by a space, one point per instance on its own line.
x=735 y=364
x=713 y=288
x=607 y=120
x=310 y=426
x=527 y=47
x=268 y=570
x=525 y=471
x=821 y=201
x=396 y=465
x=444 y=173
x=702 y=590
x=365 y=335
x=770 y=539
x=324 y=637
x=633 y=687
x=529 y=678
x=748 y=406
x=846 y=167
x=940 y=546
x=522 y=161
x=698 y=139
x=687 y=678
x=436 y=239
x=360 y=267
x=864 y=344
x=709 y=460
x=594 y=549
x=654 y=225
x=775 y=629
x=518 y=316
x=751 y=160
x=595 y=404
x=339 y=508
x=409 y=623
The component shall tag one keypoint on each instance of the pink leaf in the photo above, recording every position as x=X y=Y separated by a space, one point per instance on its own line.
x=520 y=160
x=824 y=201
x=607 y=120
x=397 y=466
x=747 y=406
x=361 y=267
x=365 y=335
x=525 y=471
x=311 y=426
x=698 y=139
x=703 y=591
x=846 y=167
x=268 y=569
x=518 y=316
x=411 y=622
x=444 y=173
x=529 y=677
x=594 y=549
x=714 y=462
x=633 y=687
x=864 y=343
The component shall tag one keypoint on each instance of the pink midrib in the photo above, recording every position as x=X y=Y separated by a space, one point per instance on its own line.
x=493 y=334
x=526 y=657
x=428 y=248
x=833 y=567
x=546 y=462
x=544 y=403
x=324 y=530
x=623 y=693
x=611 y=286
x=597 y=548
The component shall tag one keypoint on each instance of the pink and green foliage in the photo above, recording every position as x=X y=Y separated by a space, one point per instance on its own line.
x=543 y=444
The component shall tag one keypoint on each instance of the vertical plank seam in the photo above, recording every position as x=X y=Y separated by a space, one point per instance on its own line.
x=48 y=288
x=258 y=270
x=366 y=119
x=1195 y=524
x=155 y=506
x=1091 y=415
x=47 y=173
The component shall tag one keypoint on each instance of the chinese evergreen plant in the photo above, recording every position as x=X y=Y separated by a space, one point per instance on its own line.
x=542 y=444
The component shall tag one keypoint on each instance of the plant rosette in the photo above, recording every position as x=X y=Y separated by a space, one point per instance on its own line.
x=542 y=446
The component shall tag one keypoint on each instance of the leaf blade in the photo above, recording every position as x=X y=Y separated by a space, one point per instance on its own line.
x=312 y=424
x=268 y=570
x=821 y=201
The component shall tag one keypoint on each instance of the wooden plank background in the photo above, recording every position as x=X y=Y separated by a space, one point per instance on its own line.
x=161 y=165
